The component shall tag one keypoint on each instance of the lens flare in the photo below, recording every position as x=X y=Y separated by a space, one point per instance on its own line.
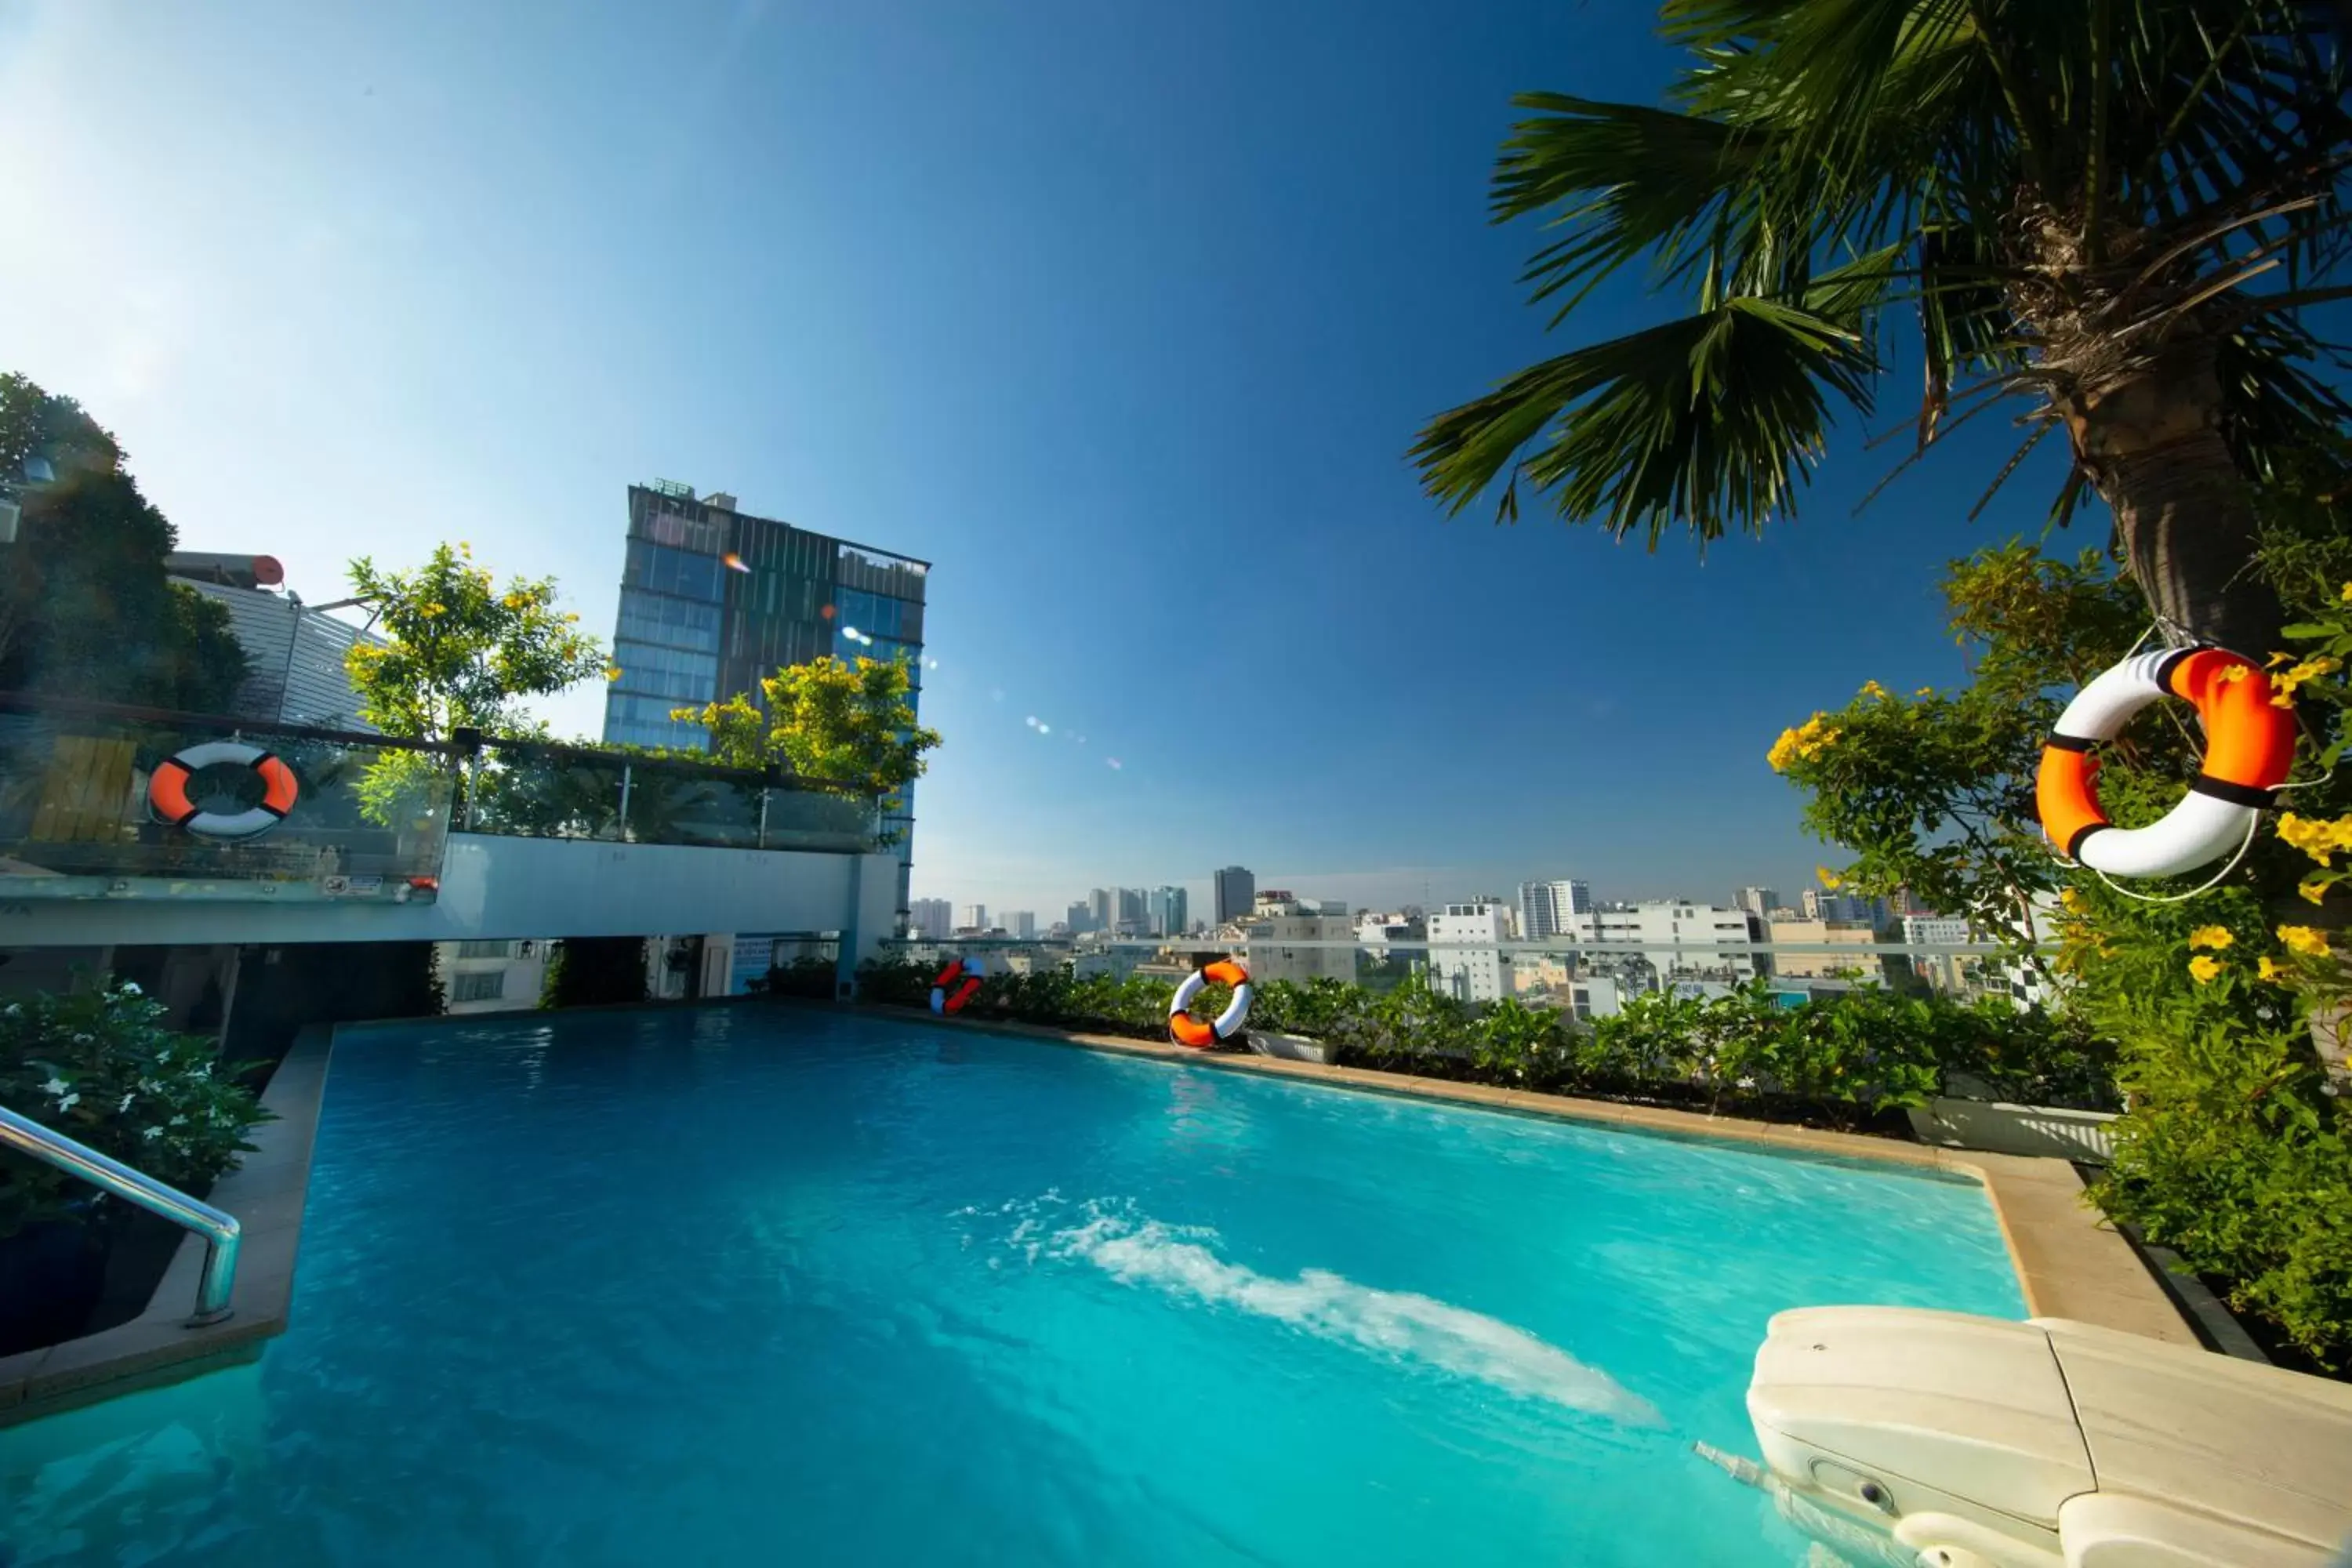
x=733 y=563
x=1116 y=763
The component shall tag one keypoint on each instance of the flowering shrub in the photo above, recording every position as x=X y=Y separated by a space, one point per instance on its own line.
x=99 y=1067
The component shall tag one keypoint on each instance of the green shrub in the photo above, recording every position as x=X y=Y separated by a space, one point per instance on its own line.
x=1852 y=1056
x=99 y=1067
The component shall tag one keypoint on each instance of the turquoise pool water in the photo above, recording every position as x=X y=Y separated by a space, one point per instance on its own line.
x=783 y=1286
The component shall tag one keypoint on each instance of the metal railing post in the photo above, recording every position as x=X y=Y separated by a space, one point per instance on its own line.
x=218 y=1283
x=625 y=802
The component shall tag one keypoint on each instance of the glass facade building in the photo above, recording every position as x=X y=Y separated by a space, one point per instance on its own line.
x=714 y=600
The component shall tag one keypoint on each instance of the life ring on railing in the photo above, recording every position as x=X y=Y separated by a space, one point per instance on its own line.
x=2249 y=750
x=958 y=983
x=167 y=791
x=1187 y=1030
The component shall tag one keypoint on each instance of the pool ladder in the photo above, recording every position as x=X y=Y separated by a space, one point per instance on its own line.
x=219 y=1230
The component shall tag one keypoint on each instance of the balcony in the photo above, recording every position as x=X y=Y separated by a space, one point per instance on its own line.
x=93 y=807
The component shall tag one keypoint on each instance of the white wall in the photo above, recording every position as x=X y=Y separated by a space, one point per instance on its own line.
x=1465 y=961
x=497 y=887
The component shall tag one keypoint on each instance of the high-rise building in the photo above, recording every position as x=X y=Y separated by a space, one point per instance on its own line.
x=1080 y=919
x=1757 y=901
x=1021 y=923
x=1102 y=909
x=1165 y=911
x=1555 y=909
x=972 y=917
x=1466 y=954
x=1236 y=893
x=1271 y=956
x=714 y=600
x=930 y=918
x=1131 y=919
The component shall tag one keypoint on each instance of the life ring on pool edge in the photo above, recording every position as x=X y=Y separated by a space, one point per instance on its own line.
x=1187 y=1030
x=2249 y=750
x=167 y=791
x=958 y=983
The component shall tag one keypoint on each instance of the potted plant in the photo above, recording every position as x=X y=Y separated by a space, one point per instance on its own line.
x=99 y=1067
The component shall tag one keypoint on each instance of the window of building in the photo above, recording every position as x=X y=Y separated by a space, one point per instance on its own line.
x=483 y=949
x=664 y=570
x=486 y=986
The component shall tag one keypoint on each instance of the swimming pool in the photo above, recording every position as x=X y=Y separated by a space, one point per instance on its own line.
x=762 y=1284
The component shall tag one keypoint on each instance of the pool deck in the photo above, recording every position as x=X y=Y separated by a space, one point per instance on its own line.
x=2070 y=1261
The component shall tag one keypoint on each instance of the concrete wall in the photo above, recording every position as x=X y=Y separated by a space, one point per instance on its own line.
x=497 y=887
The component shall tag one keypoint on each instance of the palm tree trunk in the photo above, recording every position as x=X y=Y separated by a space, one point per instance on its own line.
x=2184 y=514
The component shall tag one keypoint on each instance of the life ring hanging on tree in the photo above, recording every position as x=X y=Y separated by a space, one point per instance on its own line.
x=167 y=791
x=1187 y=1030
x=2248 y=751
x=958 y=983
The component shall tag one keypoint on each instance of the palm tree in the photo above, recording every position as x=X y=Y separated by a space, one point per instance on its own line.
x=2117 y=210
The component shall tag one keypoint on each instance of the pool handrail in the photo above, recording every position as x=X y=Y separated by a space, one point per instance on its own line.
x=219 y=1230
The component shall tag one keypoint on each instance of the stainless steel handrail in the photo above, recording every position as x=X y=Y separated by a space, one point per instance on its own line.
x=219 y=1230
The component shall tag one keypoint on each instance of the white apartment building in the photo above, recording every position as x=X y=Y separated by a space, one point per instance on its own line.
x=972 y=917
x=1668 y=929
x=1466 y=955
x=931 y=918
x=1269 y=957
x=1021 y=923
x=1594 y=996
x=1758 y=901
x=1945 y=972
x=491 y=976
x=1555 y=909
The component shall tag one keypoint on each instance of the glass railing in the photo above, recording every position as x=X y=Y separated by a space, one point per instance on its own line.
x=1851 y=1029
x=102 y=801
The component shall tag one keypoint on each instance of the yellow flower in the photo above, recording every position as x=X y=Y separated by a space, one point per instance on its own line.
x=2072 y=901
x=1925 y=691
x=570 y=616
x=2315 y=837
x=2204 y=969
x=2236 y=672
x=464 y=548
x=514 y=601
x=612 y=672
x=2269 y=969
x=2282 y=685
x=1872 y=688
x=1830 y=878
x=2348 y=592
x=429 y=611
x=2214 y=937
x=2308 y=940
x=2313 y=889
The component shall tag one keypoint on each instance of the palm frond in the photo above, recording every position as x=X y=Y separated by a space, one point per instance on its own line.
x=1709 y=420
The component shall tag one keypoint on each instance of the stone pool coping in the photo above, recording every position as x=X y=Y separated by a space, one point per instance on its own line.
x=265 y=1193
x=2071 y=1261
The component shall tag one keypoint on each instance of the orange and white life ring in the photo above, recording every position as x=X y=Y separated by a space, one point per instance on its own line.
x=1187 y=1030
x=167 y=791
x=958 y=983
x=2249 y=750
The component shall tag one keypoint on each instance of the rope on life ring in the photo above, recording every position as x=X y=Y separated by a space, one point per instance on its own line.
x=1187 y=1030
x=2249 y=752
x=168 y=798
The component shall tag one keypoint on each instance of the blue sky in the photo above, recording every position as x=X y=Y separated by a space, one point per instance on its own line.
x=1121 y=315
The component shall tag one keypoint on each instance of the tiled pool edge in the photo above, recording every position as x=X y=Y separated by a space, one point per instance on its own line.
x=2070 y=1261
x=266 y=1193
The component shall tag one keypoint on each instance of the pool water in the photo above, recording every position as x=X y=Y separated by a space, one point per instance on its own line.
x=768 y=1286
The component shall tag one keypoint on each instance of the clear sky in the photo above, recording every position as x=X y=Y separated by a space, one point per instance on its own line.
x=1123 y=315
